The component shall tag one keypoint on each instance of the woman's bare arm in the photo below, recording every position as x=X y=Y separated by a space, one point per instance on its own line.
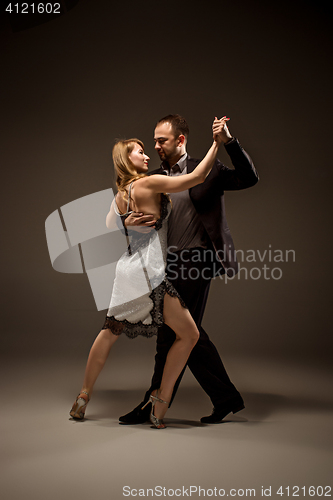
x=111 y=218
x=165 y=184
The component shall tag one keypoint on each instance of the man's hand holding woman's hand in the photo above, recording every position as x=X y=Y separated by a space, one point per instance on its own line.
x=220 y=130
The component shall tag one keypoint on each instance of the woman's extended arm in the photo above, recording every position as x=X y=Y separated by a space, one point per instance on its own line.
x=164 y=184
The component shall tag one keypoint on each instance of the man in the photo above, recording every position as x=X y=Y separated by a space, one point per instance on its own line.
x=199 y=247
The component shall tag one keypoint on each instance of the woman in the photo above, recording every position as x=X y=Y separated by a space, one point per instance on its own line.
x=142 y=297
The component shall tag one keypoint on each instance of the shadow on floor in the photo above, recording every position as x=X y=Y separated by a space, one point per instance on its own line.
x=258 y=406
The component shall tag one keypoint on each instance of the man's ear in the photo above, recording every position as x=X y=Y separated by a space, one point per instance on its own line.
x=181 y=140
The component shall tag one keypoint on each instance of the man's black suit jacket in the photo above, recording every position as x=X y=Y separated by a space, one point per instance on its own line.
x=208 y=200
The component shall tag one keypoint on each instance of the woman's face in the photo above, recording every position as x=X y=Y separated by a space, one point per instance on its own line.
x=139 y=159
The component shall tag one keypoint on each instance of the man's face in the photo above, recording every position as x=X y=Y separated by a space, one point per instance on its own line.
x=166 y=145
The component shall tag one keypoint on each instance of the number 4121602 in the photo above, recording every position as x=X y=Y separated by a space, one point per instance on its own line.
x=34 y=8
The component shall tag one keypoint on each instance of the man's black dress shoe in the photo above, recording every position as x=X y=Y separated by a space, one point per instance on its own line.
x=219 y=413
x=137 y=416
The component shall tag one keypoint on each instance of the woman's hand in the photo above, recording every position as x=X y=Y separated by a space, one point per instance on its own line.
x=220 y=130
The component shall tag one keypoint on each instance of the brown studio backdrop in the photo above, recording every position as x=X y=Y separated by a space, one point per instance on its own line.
x=102 y=71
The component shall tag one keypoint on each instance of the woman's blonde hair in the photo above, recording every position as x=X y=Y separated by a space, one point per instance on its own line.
x=124 y=168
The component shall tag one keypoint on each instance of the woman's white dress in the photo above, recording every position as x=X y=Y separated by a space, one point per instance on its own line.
x=136 y=306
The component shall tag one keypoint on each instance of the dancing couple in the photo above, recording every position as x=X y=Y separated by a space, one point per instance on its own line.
x=147 y=299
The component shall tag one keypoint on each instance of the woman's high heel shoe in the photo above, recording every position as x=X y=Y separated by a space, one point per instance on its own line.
x=157 y=422
x=80 y=405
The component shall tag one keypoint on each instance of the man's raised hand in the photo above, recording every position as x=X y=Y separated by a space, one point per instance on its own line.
x=220 y=130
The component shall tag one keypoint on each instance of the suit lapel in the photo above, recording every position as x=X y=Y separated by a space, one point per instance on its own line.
x=191 y=164
x=156 y=171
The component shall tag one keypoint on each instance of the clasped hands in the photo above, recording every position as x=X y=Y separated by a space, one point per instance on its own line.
x=220 y=130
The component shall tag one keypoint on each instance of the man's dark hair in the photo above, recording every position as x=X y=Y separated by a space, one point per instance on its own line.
x=178 y=124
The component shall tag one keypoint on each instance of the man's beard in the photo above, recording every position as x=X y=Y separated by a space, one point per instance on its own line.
x=164 y=156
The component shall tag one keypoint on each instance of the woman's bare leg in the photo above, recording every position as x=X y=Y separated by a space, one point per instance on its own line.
x=180 y=320
x=97 y=356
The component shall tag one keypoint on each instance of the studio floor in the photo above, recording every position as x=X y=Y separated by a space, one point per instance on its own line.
x=283 y=438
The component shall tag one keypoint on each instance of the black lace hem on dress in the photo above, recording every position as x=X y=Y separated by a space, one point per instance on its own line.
x=132 y=330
